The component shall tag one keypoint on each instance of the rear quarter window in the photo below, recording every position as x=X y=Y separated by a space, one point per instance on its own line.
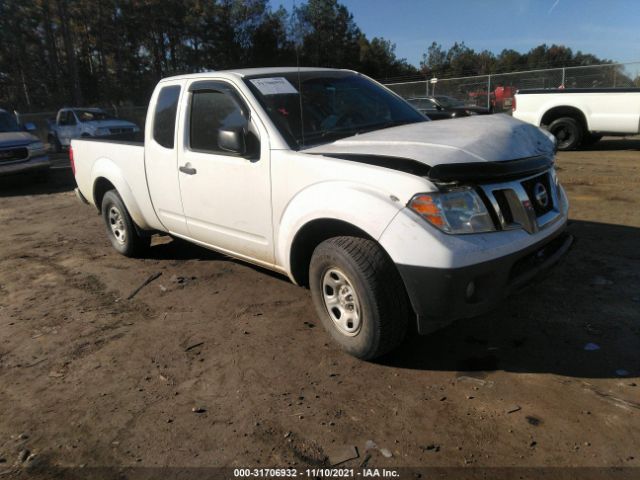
x=164 y=120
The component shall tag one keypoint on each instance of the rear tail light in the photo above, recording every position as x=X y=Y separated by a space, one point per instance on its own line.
x=73 y=165
x=513 y=104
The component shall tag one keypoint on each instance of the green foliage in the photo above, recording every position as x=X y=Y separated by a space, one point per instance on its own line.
x=460 y=60
x=112 y=52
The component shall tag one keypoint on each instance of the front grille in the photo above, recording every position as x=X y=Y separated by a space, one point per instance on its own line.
x=14 y=154
x=529 y=203
x=533 y=186
x=121 y=130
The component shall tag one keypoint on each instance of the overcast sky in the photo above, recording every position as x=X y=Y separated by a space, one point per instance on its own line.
x=607 y=28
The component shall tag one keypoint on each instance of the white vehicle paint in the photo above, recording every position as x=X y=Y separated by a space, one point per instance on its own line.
x=593 y=112
x=276 y=203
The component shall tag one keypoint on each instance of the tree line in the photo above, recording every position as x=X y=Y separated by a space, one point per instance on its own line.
x=112 y=52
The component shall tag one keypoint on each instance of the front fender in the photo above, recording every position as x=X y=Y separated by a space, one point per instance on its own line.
x=364 y=207
x=107 y=169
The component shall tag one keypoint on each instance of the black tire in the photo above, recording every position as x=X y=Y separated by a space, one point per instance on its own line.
x=54 y=144
x=381 y=301
x=568 y=131
x=590 y=139
x=123 y=235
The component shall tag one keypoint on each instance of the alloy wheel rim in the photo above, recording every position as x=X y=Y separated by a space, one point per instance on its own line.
x=341 y=301
x=118 y=228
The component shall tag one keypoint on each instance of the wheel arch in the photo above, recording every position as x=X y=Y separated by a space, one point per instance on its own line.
x=100 y=187
x=564 y=111
x=108 y=176
x=312 y=234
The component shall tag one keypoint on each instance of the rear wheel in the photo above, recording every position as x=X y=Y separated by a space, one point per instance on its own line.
x=120 y=227
x=568 y=131
x=359 y=296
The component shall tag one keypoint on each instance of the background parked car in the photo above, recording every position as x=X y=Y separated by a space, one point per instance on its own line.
x=441 y=107
x=85 y=122
x=500 y=99
x=20 y=151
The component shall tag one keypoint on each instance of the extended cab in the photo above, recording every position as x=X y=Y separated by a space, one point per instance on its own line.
x=336 y=182
x=73 y=123
x=580 y=116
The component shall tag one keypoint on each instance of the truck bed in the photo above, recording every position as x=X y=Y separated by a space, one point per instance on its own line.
x=120 y=158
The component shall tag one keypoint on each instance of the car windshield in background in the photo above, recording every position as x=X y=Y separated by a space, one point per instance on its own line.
x=449 y=102
x=92 y=115
x=333 y=105
x=8 y=123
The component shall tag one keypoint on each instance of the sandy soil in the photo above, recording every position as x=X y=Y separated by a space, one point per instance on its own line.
x=91 y=379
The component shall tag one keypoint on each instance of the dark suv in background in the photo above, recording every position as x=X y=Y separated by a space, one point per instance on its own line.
x=20 y=150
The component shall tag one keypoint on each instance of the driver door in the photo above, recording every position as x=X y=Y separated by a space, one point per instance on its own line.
x=226 y=195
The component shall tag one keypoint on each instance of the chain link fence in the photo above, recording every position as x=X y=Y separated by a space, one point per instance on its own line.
x=496 y=91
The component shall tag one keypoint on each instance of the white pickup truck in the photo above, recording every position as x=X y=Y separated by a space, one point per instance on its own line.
x=580 y=116
x=336 y=182
x=73 y=123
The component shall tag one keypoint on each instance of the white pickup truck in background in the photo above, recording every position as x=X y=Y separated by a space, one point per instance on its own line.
x=580 y=116
x=73 y=123
x=336 y=182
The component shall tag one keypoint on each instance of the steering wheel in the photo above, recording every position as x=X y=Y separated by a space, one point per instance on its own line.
x=350 y=117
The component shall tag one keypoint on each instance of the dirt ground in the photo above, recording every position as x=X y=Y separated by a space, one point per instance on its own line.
x=91 y=379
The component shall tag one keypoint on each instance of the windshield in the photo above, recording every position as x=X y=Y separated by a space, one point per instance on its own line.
x=449 y=102
x=8 y=123
x=333 y=105
x=92 y=115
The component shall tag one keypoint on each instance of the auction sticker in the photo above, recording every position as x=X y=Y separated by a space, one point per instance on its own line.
x=274 y=86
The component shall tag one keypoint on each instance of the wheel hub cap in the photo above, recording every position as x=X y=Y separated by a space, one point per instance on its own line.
x=341 y=301
x=116 y=222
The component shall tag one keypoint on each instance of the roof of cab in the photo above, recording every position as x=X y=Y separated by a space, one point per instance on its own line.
x=249 y=72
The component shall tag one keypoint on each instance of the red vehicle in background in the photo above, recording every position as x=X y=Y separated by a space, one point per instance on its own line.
x=500 y=99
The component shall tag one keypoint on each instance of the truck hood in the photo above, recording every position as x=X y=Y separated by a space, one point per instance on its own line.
x=491 y=138
x=16 y=139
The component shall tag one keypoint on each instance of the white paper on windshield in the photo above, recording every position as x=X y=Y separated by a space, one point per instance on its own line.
x=274 y=86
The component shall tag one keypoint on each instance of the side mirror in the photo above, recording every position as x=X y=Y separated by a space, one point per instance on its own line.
x=232 y=140
x=29 y=127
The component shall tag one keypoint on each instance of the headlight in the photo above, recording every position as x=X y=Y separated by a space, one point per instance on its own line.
x=456 y=211
x=36 y=148
x=102 y=131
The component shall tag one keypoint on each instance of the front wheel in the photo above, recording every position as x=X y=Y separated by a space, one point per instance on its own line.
x=568 y=132
x=359 y=296
x=120 y=227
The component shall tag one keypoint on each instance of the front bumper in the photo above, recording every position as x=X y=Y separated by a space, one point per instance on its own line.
x=441 y=295
x=31 y=164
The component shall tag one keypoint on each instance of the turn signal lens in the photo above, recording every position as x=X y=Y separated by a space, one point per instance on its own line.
x=425 y=206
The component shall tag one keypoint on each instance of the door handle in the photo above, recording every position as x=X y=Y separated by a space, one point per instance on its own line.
x=189 y=170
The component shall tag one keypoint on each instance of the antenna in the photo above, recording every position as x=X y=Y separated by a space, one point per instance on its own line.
x=298 y=43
